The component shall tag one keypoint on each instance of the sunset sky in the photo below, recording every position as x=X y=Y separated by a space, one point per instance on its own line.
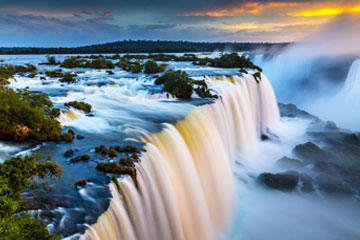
x=81 y=22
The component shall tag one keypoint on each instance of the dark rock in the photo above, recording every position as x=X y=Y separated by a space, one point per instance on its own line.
x=288 y=163
x=352 y=139
x=84 y=157
x=332 y=185
x=282 y=181
x=264 y=137
x=112 y=153
x=68 y=137
x=307 y=185
x=42 y=78
x=331 y=126
x=310 y=152
x=110 y=72
x=81 y=183
x=79 y=137
x=69 y=153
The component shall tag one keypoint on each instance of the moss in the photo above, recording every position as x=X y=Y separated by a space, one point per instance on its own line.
x=79 y=105
x=127 y=161
x=112 y=153
x=68 y=137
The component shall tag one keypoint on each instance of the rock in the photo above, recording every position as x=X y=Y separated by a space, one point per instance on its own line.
x=306 y=183
x=42 y=78
x=112 y=153
x=69 y=153
x=352 y=139
x=310 y=152
x=331 y=126
x=68 y=137
x=79 y=137
x=84 y=157
x=289 y=163
x=81 y=183
x=101 y=149
x=110 y=72
x=332 y=185
x=281 y=181
x=264 y=137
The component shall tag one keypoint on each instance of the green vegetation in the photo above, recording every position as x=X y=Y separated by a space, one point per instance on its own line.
x=8 y=70
x=152 y=67
x=55 y=73
x=97 y=62
x=27 y=115
x=68 y=78
x=178 y=83
x=51 y=60
x=68 y=136
x=84 y=157
x=16 y=175
x=79 y=105
x=144 y=46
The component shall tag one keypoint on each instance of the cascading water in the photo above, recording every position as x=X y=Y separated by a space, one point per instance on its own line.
x=185 y=185
x=351 y=90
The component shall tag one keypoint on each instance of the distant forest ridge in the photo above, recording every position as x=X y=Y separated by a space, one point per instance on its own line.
x=142 y=46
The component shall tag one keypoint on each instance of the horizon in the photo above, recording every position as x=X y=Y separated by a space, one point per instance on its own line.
x=154 y=40
x=46 y=24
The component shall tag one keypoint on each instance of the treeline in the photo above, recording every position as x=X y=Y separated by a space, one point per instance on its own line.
x=142 y=46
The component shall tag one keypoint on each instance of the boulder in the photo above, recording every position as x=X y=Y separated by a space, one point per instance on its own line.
x=286 y=181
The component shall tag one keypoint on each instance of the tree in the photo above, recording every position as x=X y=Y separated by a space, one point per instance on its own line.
x=16 y=175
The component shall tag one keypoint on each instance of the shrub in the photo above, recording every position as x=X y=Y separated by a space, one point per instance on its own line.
x=68 y=137
x=135 y=67
x=79 y=105
x=71 y=62
x=178 y=84
x=152 y=67
x=68 y=78
x=27 y=115
x=55 y=73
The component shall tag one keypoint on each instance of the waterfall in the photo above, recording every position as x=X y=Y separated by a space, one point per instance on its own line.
x=350 y=93
x=185 y=185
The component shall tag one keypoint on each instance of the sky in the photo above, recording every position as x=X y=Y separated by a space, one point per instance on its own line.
x=54 y=23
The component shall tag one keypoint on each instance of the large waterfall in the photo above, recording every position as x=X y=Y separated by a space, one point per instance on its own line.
x=185 y=185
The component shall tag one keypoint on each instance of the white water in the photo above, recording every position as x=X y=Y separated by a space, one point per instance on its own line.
x=350 y=94
x=185 y=180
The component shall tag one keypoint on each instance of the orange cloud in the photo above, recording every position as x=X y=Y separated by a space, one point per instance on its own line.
x=46 y=14
x=247 y=8
x=327 y=11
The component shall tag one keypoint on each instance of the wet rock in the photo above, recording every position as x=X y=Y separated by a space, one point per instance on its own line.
x=84 y=157
x=112 y=153
x=286 y=181
x=289 y=163
x=110 y=72
x=69 y=153
x=81 y=183
x=307 y=185
x=79 y=137
x=310 y=152
x=352 y=139
x=331 y=126
x=101 y=149
x=264 y=137
x=68 y=137
x=332 y=185
x=42 y=78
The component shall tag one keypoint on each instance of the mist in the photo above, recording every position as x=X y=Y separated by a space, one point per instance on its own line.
x=319 y=74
